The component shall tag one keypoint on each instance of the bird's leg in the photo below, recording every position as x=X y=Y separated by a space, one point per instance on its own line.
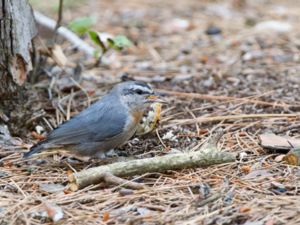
x=78 y=157
x=103 y=155
x=112 y=153
x=99 y=155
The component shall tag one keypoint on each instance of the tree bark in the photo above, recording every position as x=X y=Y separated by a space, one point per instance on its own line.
x=17 y=29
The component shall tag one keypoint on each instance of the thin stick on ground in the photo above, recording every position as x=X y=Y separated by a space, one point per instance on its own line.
x=207 y=155
x=222 y=98
x=229 y=117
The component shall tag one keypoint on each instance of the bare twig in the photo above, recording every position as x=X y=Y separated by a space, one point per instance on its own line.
x=211 y=198
x=226 y=98
x=60 y=15
x=112 y=179
x=65 y=33
x=229 y=117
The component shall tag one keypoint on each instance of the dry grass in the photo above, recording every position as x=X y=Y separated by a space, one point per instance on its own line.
x=243 y=96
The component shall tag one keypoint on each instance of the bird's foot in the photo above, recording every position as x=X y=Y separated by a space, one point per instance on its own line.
x=103 y=155
x=77 y=157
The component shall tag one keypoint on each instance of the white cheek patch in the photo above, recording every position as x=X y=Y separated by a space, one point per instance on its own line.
x=143 y=89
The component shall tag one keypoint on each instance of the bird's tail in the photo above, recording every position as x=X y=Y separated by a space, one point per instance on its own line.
x=34 y=149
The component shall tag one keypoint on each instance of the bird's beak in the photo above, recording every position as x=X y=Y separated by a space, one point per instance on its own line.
x=156 y=98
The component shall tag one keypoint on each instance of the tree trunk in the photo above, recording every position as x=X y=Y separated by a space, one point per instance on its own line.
x=17 y=29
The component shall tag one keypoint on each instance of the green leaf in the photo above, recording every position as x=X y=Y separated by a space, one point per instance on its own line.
x=95 y=38
x=119 y=42
x=82 y=25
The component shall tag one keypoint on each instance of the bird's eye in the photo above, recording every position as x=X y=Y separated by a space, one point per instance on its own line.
x=139 y=92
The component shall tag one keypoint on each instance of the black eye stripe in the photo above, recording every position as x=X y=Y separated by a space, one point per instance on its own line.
x=132 y=91
x=140 y=91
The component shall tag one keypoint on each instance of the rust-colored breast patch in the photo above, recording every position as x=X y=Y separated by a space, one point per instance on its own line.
x=137 y=116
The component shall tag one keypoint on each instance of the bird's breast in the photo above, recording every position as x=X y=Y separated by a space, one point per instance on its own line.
x=137 y=116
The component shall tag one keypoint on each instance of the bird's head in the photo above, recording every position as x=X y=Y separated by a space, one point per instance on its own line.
x=136 y=95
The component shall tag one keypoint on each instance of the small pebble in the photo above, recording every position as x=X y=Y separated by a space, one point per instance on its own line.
x=213 y=30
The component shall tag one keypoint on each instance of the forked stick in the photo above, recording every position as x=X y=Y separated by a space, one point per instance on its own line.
x=207 y=155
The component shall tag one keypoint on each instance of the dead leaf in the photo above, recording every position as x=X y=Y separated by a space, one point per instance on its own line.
x=291 y=159
x=245 y=209
x=105 y=216
x=279 y=158
x=7 y=164
x=69 y=172
x=204 y=59
x=51 y=188
x=258 y=173
x=276 y=142
x=246 y=169
x=49 y=210
x=58 y=56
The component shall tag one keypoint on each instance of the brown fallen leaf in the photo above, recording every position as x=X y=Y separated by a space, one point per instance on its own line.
x=105 y=216
x=58 y=56
x=246 y=169
x=69 y=172
x=245 y=209
x=291 y=159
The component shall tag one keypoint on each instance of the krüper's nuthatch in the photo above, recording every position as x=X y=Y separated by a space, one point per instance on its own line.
x=105 y=125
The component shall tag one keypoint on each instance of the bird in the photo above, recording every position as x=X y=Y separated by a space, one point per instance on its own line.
x=107 y=124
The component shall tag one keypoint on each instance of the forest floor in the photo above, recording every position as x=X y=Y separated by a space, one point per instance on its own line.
x=251 y=67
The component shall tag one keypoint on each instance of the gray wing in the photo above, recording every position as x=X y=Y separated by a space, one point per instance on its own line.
x=101 y=121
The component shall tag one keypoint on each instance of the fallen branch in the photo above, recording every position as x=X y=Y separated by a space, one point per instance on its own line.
x=50 y=24
x=207 y=155
x=224 y=98
x=229 y=117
